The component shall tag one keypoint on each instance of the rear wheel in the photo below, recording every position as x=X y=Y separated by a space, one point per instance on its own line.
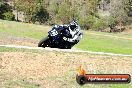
x=44 y=42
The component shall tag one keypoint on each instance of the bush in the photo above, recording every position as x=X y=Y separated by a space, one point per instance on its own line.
x=92 y=23
x=9 y=16
x=111 y=21
x=3 y=9
x=129 y=21
x=99 y=25
x=40 y=16
x=87 y=23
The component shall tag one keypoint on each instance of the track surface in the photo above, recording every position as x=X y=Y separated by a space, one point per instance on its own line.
x=63 y=50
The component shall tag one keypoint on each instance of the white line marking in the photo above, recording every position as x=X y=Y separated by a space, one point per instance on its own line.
x=64 y=50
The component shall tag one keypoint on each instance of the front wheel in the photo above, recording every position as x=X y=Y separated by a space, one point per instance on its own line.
x=44 y=42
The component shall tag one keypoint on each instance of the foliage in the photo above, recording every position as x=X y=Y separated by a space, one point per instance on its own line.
x=1 y=2
x=40 y=16
x=52 y=8
x=120 y=10
x=129 y=21
x=85 y=11
x=88 y=22
x=6 y=11
x=64 y=12
x=128 y=7
x=34 y=10
x=9 y=16
x=111 y=20
x=26 y=6
x=117 y=11
x=3 y=9
x=99 y=25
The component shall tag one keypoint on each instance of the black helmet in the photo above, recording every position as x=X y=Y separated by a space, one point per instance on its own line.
x=73 y=25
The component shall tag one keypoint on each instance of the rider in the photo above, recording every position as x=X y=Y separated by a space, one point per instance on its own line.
x=75 y=33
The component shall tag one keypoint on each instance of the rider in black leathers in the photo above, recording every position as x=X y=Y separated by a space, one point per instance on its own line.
x=71 y=32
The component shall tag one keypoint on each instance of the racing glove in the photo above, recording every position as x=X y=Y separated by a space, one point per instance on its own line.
x=64 y=38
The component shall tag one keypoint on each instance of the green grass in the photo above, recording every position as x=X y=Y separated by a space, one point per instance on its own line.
x=101 y=43
x=98 y=42
x=9 y=28
x=9 y=81
x=19 y=83
x=4 y=49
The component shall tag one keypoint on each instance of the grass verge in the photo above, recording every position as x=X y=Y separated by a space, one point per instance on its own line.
x=92 y=41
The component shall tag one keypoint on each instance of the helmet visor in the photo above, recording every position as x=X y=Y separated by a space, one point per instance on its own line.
x=72 y=27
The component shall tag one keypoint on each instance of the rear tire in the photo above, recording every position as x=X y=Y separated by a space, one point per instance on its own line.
x=44 y=42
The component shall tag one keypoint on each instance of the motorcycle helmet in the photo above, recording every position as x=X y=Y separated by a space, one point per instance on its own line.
x=73 y=26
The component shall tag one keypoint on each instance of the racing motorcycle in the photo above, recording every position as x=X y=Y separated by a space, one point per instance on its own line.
x=55 y=38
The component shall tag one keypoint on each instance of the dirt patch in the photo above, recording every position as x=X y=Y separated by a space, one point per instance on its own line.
x=48 y=68
x=19 y=41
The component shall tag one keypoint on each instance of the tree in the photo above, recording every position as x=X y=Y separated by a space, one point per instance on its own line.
x=26 y=6
x=65 y=11
x=34 y=10
x=128 y=9
x=88 y=13
x=52 y=8
x=8 y=16
x=1 y=2
x=118 y=10
x=40 y=16
x=6 y=12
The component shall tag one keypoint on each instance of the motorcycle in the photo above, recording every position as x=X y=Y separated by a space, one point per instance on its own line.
x=55 y=39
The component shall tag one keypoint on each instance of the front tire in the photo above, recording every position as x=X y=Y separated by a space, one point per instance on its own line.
x=44 y=42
